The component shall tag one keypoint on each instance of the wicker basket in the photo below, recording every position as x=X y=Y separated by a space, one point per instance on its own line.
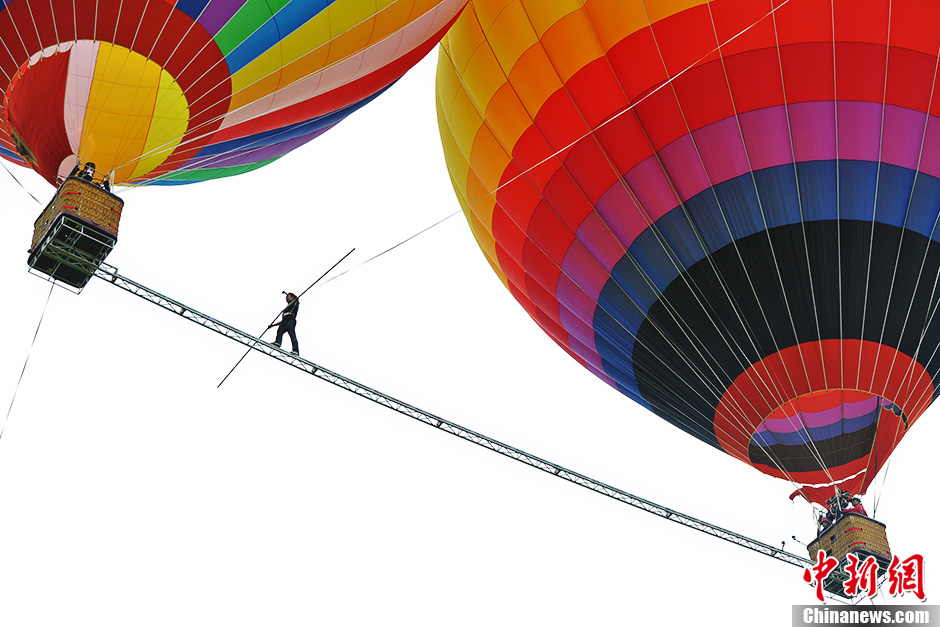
x=86 y=202
x=75 y=233
x=853 y=534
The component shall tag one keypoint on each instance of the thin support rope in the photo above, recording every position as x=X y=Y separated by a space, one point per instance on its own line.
x=20 y=183
x=894 y=274
x=646 y=96
x=393 y=247
x=874 y=206
x=29 y=353
x=880 y=491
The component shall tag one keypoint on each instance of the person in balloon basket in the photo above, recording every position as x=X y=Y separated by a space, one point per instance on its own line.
x=826 y=520
x=288 y=323
x=856 y=507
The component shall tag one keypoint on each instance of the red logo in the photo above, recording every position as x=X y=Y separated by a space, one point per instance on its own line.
x=862 y=576
x=903 y=576
x=907 y=576
x=816 y=575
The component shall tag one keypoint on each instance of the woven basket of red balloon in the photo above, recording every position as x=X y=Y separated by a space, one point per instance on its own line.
x=854 y=534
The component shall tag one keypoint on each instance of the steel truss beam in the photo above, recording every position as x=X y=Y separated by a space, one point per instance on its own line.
x=111 y=275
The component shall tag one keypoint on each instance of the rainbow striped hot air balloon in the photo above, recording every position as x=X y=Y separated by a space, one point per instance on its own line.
x=157 y=91
x=169 y=93
x=727 y=210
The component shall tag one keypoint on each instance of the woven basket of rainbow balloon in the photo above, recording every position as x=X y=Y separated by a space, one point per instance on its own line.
x=84 y=201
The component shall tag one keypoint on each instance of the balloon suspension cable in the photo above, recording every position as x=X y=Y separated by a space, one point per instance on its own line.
x=880 y=491
x=29 y=353
x=111 y=275
x=237 y=363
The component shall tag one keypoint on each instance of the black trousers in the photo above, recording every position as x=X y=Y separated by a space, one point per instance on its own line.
x=288 y=326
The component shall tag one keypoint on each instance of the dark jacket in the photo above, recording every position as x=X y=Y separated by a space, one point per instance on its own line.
x=290 y=312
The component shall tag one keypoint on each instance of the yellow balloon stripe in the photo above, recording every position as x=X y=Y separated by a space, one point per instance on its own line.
x=123 y=117
x=461 y=149
x=170 y=119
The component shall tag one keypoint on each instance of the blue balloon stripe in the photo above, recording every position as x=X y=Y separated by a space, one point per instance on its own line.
x=742 y=202
x=291 y=17
x=12 y=155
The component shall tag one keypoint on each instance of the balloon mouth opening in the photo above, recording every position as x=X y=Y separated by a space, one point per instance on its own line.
x=821 y=430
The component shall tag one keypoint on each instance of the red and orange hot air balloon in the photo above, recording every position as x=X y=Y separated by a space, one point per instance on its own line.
x=726 y=210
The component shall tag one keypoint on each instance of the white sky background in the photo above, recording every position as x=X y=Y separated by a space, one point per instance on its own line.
x=132 y=492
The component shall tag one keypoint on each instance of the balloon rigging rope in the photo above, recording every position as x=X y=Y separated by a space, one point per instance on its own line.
x=884 y=480
x=874 y=208
x=796 y=176
x=16 y=29
x=812 y=448
x=930 y=311
x=744 y=424
x=19 y=382
x=652 y=92
x=920 y=274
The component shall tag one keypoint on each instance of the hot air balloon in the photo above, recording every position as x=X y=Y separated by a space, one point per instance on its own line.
x=154 y=92
x=726 y=210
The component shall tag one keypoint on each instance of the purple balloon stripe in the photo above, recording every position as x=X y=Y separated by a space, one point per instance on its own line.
x=828 y=432
x=801 y=420
x=720 y=147
x=217 y=14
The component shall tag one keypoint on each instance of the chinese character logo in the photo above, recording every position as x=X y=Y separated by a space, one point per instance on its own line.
x=816 y=575
x=907 y=576
x=863 y=576
x=903 y=577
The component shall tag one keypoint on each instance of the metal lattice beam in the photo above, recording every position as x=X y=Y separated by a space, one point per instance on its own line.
x=111 y=275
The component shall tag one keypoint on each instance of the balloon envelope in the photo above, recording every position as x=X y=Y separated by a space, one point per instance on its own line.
x=726 y=210
x=175 y=92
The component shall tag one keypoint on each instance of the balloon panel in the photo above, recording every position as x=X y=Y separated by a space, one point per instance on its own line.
x=726 y=210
